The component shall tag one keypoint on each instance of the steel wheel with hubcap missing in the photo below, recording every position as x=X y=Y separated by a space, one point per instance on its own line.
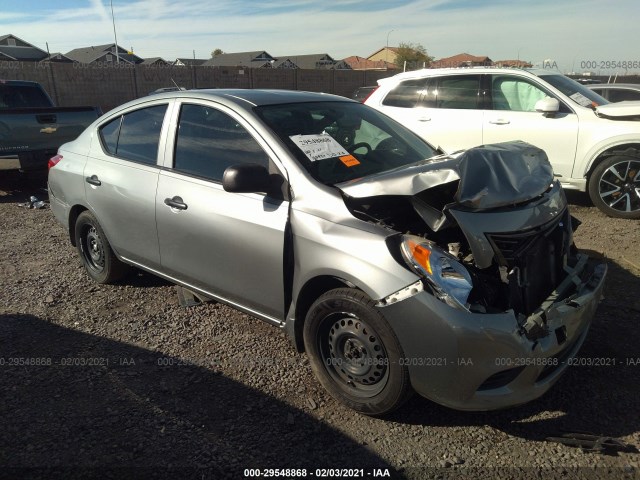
x=615 y=186
x=354 y=352
x=95 y=252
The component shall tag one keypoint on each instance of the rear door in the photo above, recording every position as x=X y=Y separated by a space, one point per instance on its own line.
x=513 y=117
x=121 y=177
x=228 y=244
x=444 y=110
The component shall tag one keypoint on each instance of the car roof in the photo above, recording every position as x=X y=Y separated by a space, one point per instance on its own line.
x=255 y=97
x=633 y=86
x=433 y=72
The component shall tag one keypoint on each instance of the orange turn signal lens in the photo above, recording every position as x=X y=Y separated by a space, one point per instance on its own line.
x=421 y=255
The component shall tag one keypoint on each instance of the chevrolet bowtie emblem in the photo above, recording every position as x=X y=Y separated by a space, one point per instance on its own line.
x=48 y=130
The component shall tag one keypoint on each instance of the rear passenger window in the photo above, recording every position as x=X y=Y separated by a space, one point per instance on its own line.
x=209 y=141
x=405 y=94
x=135 y=135
x=461 y=92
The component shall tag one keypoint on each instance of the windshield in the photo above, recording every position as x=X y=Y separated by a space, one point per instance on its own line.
x=575 y=91
x=340 y=141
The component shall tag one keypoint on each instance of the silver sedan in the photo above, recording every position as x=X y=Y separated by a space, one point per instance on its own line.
x=394 y=266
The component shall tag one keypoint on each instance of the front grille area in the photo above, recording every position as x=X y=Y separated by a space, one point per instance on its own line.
x=534 y=260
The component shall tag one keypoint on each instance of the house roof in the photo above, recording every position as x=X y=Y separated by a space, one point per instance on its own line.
x=513 y=63
x=391 y=49
x=153 y=60
x=21 y=50
x=461 y=60
x=310 y=62
x=259 y=58
x=361 y=63
x=4 y=56
x=91 y=54
x=190 y=62
x=341 y=65
x=58 y=57
x=284 y=62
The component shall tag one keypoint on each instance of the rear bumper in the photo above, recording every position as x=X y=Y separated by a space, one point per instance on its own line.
x=473 y=361
x=59 y=208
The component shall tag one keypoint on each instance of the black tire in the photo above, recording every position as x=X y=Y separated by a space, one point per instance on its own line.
x=614 y=186
x=354 y=353
x=96 y=254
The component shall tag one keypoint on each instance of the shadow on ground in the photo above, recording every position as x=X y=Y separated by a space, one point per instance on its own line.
x=76 y=405
x=17 y=187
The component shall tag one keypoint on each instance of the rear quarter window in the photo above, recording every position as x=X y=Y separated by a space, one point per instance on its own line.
x=406 y=94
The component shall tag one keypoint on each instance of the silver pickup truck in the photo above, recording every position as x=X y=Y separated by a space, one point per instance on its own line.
x=32 y=128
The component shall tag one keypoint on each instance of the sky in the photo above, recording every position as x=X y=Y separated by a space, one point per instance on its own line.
x=572 y=35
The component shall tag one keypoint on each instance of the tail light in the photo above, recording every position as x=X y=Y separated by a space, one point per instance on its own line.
x=53 y=161
x=370 y=93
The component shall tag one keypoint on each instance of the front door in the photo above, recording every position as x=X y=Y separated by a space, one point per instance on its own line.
x=513 y=117
x=229 y=244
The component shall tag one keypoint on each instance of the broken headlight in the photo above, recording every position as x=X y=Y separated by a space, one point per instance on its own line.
x=449 y=279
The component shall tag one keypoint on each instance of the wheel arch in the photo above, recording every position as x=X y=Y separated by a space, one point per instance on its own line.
x=74 y=213
x=309 y=293
x=627 y=148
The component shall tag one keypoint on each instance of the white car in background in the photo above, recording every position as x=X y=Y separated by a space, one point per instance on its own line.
x=617 y=92
x=593 y=146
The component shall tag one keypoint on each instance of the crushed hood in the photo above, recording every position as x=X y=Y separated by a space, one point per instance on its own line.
x=490 y=176
x=619 y=110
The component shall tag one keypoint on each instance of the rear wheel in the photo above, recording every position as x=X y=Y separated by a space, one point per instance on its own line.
x=614 y=186
x=95 y=252
x=354 y=353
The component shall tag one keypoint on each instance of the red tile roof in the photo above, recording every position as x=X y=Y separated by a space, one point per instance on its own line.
x=361 y=63
x=461 y=60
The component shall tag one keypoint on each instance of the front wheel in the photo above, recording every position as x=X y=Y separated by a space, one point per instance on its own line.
x=354 y=353
x=614 y=186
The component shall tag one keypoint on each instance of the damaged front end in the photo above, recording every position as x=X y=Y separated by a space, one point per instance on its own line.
x=490 y=235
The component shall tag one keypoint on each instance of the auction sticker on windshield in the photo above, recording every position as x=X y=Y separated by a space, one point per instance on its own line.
x=581 y=99
x=319 y=146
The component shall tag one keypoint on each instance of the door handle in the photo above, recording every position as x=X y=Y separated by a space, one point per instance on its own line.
x=175 y=202
x=93 y=180
x=424 y=119
x=500 y=121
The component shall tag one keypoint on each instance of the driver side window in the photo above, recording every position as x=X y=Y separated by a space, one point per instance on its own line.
x=208 y=141
x=515 y=94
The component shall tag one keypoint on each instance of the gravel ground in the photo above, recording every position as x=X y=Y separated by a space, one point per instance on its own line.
x=120 y=381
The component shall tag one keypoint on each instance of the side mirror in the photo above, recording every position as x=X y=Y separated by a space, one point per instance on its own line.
x=547 y=105
x=246 y=178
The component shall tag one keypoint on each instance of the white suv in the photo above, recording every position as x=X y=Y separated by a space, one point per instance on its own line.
x=593 y=146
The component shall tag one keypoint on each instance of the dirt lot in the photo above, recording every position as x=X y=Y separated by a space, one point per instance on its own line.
x=121 y=382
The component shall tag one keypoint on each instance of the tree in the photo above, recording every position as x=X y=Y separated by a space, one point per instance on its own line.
x=414 y=54
x=216 y=52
